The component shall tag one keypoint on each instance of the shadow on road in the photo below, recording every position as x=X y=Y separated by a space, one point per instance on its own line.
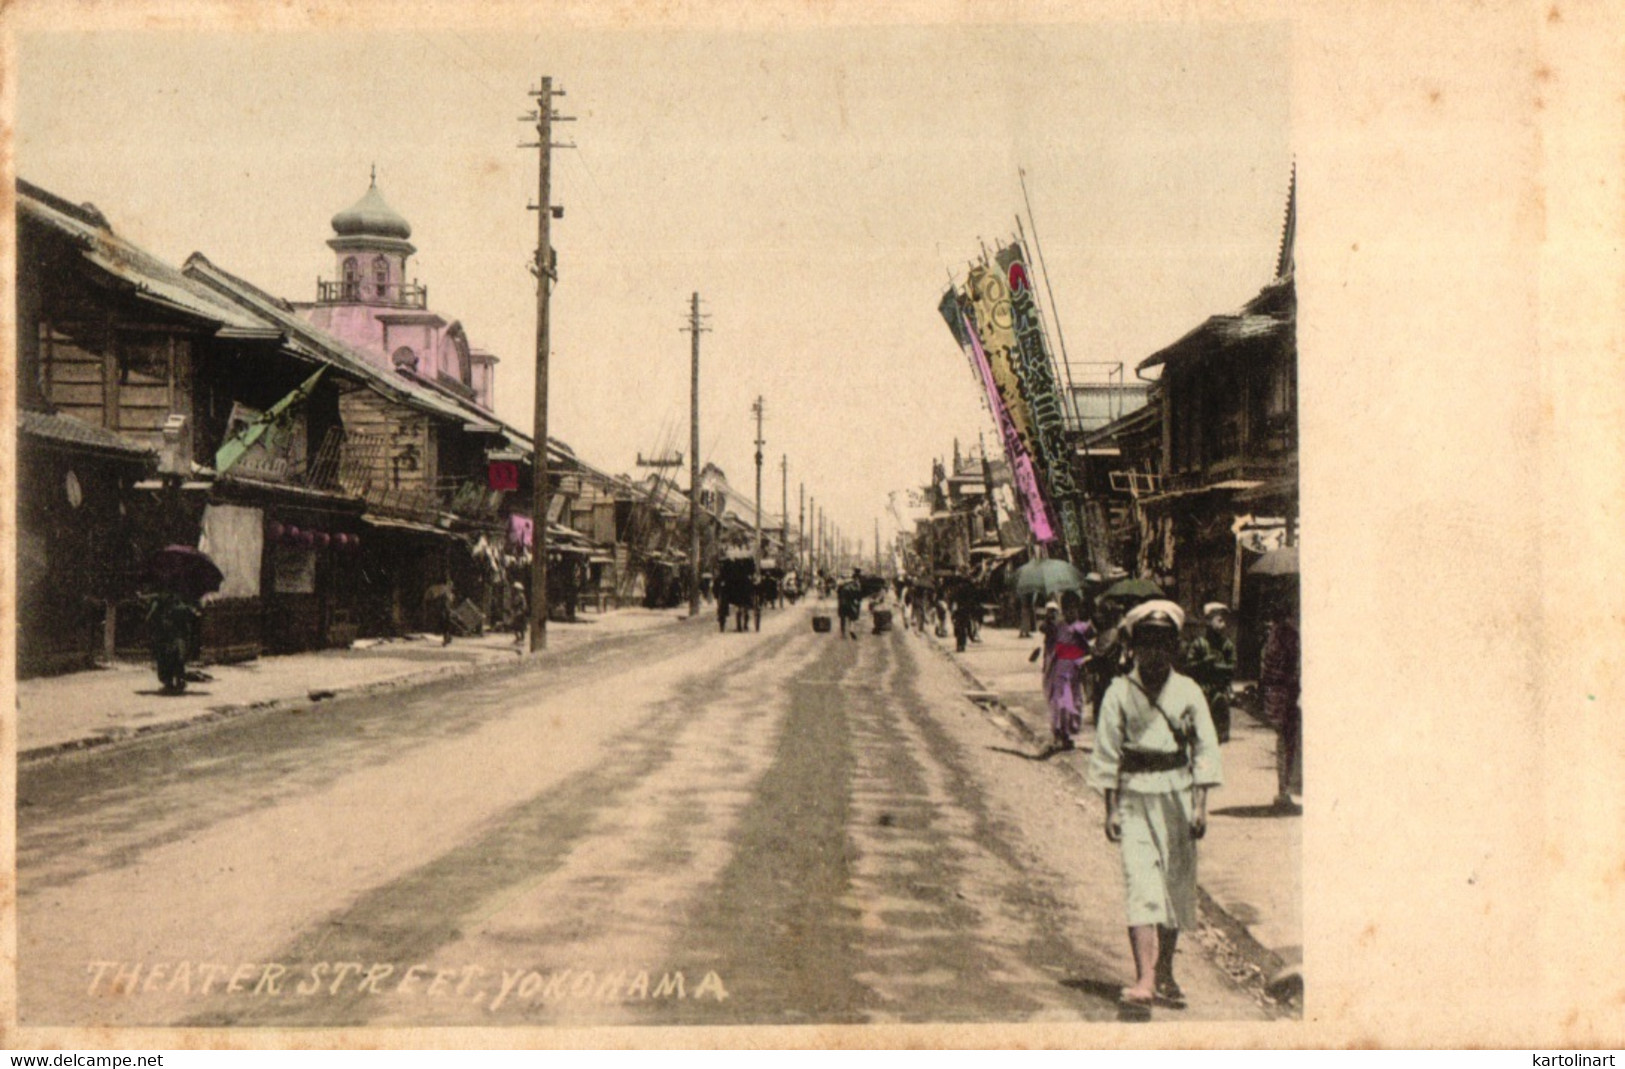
x=1109 y=993
x=1249 y=812
x=1042 y=755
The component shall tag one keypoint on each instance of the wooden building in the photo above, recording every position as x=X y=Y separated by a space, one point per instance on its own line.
x=164 y=406
x=1229 y=443
x=424 y=465
x=125 y=361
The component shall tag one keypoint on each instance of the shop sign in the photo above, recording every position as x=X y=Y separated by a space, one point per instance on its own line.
x=502 y=475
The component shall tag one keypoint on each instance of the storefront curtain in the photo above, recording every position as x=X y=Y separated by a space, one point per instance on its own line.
x=234 y=538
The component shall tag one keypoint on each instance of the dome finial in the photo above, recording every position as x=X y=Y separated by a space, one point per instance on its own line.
x=371 y=216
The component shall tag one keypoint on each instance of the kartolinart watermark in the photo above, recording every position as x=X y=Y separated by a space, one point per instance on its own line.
x=495 y=987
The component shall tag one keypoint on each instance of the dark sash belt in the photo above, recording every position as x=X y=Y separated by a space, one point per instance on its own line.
x=1151 y=761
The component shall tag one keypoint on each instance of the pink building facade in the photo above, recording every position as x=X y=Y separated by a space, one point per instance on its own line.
x=370 y=305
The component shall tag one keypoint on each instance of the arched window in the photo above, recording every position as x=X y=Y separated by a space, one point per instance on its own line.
x=352 y=279
x=380 y=275
x=455 y=359
x=405 y=359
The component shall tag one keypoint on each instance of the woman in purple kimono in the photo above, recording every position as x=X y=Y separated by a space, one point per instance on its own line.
x=1067 y=637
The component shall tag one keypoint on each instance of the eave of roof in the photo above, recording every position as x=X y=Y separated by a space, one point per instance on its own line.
x=67 y=432
x=319 y=344
x=144 y=275
x=1271 y=312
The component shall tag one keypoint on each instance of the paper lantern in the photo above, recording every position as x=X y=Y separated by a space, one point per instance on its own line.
x=323 y=538
x=274 y=530
x=291 y=533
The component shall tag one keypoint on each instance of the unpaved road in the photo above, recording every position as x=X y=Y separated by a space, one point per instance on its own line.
x=674 y=827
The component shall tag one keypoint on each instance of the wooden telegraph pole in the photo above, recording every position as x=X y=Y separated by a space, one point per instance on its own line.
x=823 y=540
x=757 y=408
x=546 y=271
x=695 y=330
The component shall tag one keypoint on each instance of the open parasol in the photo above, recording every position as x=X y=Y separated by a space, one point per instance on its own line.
x=1132 y=590
x=1046 y=578
x=183 y=570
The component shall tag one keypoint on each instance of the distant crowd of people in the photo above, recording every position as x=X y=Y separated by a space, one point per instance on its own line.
x=1083 y=652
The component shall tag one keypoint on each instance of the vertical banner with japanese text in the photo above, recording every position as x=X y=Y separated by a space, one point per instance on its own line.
x=1035 y=373
x=955 y=308
x=989 y=300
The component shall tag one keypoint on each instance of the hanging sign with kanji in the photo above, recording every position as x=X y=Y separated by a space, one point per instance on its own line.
x=502 y=475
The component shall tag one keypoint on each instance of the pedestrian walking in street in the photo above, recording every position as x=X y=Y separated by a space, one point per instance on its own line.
x=849 y=603
x=1066 y=643
x=1210 y=659
x=916 y=609
x=964 y=605
x=172 y=622
x=519 y=614
x=1108 y=656
x=1048 y=627
x=1156 y=756
x=440 y=599
x=1280 y=680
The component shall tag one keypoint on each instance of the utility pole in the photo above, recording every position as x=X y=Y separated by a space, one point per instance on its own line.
x=814 y=531
x=818 y=539
x=757 y=408
x=878 y=568
x=694 y=330
x=784 y=510
x=801 y=527
x=546 y=271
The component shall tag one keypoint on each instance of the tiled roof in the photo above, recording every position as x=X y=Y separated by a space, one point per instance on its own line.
x=148 y=277
x=316 y=343
x=76 y=433
x=1271 y=313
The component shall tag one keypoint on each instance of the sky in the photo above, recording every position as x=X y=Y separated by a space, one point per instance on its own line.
x=817 y=186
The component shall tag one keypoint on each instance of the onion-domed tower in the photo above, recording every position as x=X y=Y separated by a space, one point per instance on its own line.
x=372 y=248
x=371 y=307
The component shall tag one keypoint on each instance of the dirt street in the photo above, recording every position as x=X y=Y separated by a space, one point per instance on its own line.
x=675 y=827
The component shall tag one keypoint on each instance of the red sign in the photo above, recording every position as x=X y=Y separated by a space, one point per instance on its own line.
x=502 y=475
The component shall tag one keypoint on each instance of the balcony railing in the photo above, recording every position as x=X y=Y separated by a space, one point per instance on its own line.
x=363 y=291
